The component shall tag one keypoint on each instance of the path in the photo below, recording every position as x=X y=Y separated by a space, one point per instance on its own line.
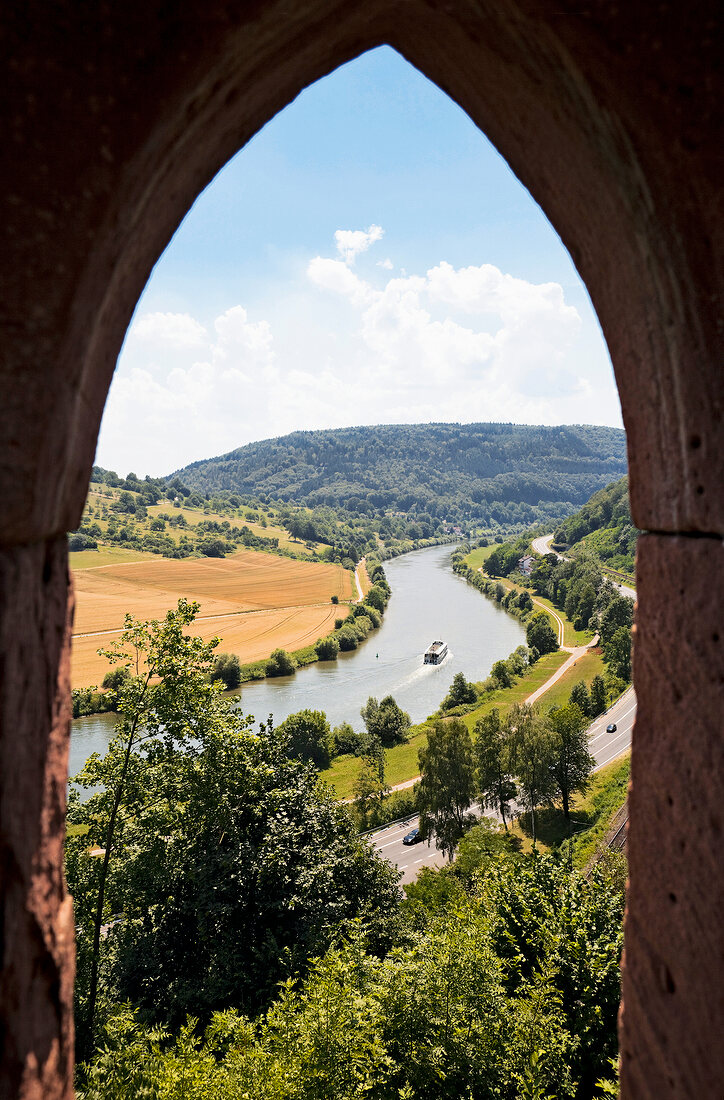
x=575 y=653
x=360 y=593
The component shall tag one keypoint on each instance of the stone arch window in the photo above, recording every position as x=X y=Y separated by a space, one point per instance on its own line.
x=115 y=119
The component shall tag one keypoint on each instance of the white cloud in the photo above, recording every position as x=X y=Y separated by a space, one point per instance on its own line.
x=176 y=330
x=350 y=242
x=387 y=264
x=460 y=344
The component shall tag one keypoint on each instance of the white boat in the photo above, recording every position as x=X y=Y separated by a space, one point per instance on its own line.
x=436 y=653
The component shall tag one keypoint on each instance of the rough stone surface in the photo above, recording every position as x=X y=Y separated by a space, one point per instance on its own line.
x=36 y=984
x=673 y=985
x=114 y=119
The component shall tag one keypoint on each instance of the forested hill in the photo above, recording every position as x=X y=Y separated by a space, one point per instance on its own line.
x=604 y=526
x=457 y=472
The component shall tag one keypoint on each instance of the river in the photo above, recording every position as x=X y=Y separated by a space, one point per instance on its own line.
x=428 y=601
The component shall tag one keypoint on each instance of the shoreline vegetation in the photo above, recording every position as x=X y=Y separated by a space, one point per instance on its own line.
x=511 y=682
x=593 y=681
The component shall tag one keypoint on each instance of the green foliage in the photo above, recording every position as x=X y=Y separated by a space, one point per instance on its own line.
x=580 y=697
x=227 y=668
x=597 y=700
x=306 y=736
x=530 y=757
x=231 y=867
x=447 y=783
x=540 y=635
x=327 y=649
x=572 y=763
x=488 y=473
x=508 y=989
x=280 y=664
x=386 y=721
x=603 y=526
x=461 y=692
x=494 y=781
x=91 y=701
x=377 y=597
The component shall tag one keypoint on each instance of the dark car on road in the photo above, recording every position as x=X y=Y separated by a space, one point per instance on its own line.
x=611 y=727
x=412 y=837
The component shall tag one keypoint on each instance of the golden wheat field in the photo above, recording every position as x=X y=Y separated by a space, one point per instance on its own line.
x=254 y=602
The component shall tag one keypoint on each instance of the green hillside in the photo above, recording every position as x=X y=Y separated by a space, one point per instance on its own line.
x=488 y=474
x=603 y=525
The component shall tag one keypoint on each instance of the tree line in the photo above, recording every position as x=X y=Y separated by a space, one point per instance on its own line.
x=236 y=937
x=490 y=474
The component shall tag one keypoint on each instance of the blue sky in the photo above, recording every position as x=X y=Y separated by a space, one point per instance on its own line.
x=368 y=257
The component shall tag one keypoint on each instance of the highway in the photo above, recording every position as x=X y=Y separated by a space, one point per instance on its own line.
x=605 y=747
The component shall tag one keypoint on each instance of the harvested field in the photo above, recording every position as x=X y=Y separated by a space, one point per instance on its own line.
x=255 y=602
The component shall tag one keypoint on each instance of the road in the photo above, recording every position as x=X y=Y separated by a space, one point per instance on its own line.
x=409 y=859
x=605 y=747
x=542 y=546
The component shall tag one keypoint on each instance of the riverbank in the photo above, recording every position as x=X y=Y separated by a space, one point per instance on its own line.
x=428 y=602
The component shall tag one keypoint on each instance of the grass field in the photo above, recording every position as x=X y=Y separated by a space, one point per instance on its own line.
x=480 y=555
x=255 y=602
x=585 y=668
x=106 y=555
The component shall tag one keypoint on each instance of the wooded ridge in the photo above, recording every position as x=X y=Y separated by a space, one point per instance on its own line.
x=486 y=473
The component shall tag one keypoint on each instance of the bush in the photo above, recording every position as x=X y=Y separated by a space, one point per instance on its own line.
x=79 y=541
x=335 y=599
x=348 y=638
x=376 y=597
x=226 y=667
x=347 y=740
x=280 y=664
x=307 y=736
x=372 y=613
x=327 y=649
x=117 y=677
x=213 y=548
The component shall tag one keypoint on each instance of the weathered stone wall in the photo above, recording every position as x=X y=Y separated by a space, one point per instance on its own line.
x=114 y=119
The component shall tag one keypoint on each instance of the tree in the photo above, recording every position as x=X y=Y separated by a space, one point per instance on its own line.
x=530 y=757
x=231 y=865
x=618 y=613
x=306 y=736
x=327 y=649
x=598 y=701
x=154 y=717
x=280 y=664
x=501 y=674
x=579 y=696
x=493 y=564
x=347 y=740
x=213 y=548
x=386 y=720
x=494 y=782
x=461 y=692
x=370 y=786
x=541 y=635
x=447 y=782
x=227 y=668
x=617 y=652
x=376 y=597
x=571 y=763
